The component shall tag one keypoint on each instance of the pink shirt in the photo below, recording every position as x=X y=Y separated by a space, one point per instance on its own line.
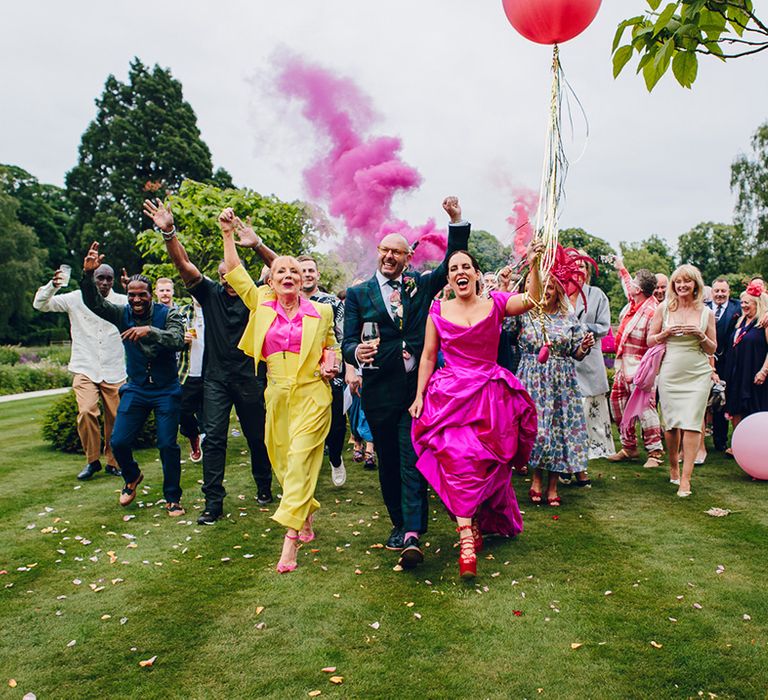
x=284 y=335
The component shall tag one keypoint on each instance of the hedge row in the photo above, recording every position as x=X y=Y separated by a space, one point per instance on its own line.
x=15 y=379
x=60 y=426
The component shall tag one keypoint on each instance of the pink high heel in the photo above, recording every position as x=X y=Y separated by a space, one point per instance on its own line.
x=307 y=534
x=287 y=568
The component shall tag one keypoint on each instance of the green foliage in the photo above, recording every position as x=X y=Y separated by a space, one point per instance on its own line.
x=59 y=426
x=334 y=274
x=749 y=178
x=677 y=34
x=36 y=376
x=143 y=142
x=285 y=227
x=21 y=267
x=716 y=249
x=490 y=253
x=9 y=355
x=653 y=254
x=44 y=208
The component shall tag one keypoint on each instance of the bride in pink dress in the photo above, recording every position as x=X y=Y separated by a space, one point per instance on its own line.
x=473 y=418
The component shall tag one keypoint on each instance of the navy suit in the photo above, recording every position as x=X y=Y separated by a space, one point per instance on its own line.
x=389 y=391
x=725 y=326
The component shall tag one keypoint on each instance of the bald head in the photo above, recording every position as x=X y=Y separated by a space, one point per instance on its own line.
x=394 y=255
x=103 y=277
x=660 y=292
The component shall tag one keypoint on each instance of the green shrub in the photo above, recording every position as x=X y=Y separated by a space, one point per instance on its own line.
x=55 y=354
x=32 y=377
x=60 y=426
x=9 y=354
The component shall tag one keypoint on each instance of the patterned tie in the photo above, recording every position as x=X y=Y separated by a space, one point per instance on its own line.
x=719 y=312
x=396 y=303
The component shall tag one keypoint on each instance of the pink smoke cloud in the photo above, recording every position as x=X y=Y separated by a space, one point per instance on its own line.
x=522 y=219
x=359 y=175
x=431 y=241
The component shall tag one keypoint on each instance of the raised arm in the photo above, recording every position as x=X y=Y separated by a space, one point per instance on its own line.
x=162 y=217
x=91 y=297
x=237 y=276
x=458 y=239
x=45 y=299
x=248 y=238
x=426 y=367
x=624 y=277
x=520 y=303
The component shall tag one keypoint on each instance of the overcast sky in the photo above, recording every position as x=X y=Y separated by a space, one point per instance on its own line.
x=466 y=94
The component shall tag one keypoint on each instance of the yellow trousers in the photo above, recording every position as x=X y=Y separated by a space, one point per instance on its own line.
x=298 y=421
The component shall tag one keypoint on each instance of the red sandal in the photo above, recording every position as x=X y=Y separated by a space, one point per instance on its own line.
x=535 y=496
x=467 y=557
x=554 y=501
x=477 y=536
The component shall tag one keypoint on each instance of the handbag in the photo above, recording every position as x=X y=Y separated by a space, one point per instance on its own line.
x=608 y=343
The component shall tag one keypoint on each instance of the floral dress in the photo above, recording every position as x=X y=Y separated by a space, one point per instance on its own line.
x=562 y=438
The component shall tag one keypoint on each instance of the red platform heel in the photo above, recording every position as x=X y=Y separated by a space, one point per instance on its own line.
x=467 y=557
x=477 y=536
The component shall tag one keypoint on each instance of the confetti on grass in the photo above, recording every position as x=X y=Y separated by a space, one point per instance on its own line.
x=718 y=512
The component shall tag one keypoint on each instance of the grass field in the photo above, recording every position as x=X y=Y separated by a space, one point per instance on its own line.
x=627 y=571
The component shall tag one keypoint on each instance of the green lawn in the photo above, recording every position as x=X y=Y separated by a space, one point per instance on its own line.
x=623 y=565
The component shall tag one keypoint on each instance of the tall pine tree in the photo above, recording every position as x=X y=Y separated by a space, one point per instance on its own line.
x=143 y=143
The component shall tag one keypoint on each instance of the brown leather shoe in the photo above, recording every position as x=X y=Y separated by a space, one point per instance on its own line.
x=174 y=509
x=129 y=491
x=623 y=456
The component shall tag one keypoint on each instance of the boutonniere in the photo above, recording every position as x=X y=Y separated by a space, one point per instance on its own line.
x=410 y=285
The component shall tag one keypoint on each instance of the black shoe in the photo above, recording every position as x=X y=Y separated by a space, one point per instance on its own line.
x=395 y=541
x=209 y=517
x=112 y=470
x=89 y=470
x=411 y=555
x=264 y=497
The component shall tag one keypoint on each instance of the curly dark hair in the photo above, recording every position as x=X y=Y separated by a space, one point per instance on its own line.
x=646 y=280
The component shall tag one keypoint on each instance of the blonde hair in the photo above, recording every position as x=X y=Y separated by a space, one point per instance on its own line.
x=562 y=302
x=689 y=272
x=762 y=306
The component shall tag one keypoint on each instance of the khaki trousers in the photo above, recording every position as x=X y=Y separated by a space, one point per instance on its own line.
x=87 y=395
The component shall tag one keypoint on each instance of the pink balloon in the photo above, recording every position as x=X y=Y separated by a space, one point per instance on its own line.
x=748 y=444
x=550 y=21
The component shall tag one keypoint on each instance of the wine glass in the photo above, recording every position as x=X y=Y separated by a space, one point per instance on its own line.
x=370 y=334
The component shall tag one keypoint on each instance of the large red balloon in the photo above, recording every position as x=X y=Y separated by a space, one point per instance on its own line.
x=550 y=21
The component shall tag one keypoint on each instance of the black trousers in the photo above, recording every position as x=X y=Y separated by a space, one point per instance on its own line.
x=335 y=440
x=191 y=415
x=403 y=487
x=246 y=394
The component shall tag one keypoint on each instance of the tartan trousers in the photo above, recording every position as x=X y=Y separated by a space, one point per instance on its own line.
x=649 y=420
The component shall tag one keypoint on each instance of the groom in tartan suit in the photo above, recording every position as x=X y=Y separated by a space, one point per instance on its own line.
x=399 y=303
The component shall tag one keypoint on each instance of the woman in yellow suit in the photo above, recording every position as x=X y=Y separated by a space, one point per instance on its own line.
x=295 y=338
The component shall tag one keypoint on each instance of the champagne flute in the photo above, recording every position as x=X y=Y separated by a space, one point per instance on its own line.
x=370 y=335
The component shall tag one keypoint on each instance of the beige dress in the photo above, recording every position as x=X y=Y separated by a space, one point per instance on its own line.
x=684 y=379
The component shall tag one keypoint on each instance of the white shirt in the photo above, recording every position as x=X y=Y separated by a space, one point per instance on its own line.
x=386 y=290
x=198 y=344
x=97 y=350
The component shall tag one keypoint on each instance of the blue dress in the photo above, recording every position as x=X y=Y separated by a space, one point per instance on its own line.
x=562 y=440
x=743 y=361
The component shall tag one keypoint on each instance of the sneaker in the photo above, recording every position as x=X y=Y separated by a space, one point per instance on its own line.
x=395 y=540
x=209 y=517
x=338 y=474
x=112 y=470
x=89 y=470
x=129 y=490
x=195 y=453
x=411 y=555
x=174 y=510
x=264 y=496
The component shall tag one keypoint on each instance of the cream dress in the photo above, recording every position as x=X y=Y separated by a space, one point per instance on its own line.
x=684 y=379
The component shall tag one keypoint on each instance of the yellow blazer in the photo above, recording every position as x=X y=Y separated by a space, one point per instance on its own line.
x=316 y=333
